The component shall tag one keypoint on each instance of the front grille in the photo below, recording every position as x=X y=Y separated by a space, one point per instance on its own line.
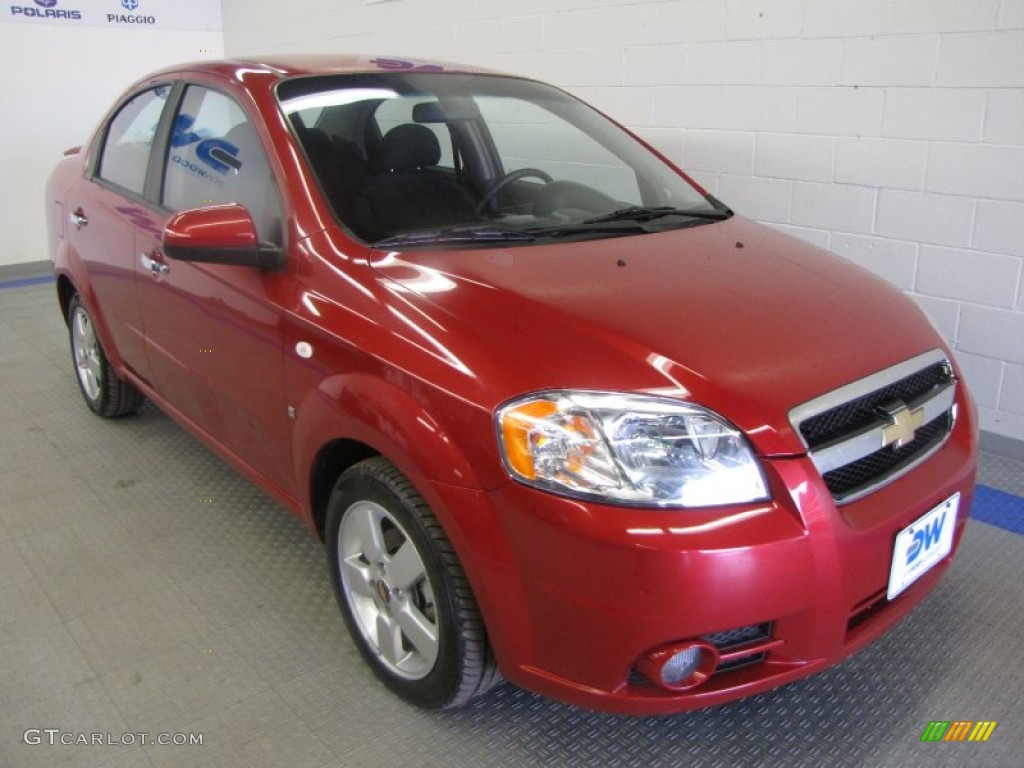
x=854 y=433
x=861 y=412
x=731 y=638
x=735 y=638
x=846 y=480
x=866 y=610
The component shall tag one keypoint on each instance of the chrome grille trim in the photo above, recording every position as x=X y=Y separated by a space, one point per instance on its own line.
x=869 y=439
x=839 y=454
x=861 y=387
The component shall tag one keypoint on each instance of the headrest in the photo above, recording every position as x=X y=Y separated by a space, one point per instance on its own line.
x=315 y=140
x=410 y=146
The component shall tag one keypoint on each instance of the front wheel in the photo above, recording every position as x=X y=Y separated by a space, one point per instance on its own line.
x=105 y=393
x=403 y=594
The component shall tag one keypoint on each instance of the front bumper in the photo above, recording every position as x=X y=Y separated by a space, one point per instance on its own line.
x=574 y=592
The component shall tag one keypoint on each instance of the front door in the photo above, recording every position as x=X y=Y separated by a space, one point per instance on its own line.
x=213 y=332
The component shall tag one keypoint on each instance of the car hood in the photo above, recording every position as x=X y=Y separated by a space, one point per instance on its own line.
x=732 y=315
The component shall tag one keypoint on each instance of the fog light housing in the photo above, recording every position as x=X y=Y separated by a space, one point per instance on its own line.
x=679 y=666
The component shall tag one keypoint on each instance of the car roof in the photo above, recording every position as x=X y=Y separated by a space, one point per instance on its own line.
x=285 y=66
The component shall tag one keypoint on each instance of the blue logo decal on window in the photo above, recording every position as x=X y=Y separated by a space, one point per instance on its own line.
x=181 y=136
x=219 y=154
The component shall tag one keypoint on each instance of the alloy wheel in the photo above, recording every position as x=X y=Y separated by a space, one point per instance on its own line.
x=86 y=350
x=385 y=583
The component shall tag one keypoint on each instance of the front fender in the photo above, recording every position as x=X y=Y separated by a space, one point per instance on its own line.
x=378 y=413
x=381 y=414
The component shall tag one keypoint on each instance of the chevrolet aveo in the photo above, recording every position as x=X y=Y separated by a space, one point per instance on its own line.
x=557 y=413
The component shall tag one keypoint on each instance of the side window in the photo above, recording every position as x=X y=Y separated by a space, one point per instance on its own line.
x=398 y=111
x=129 y=139
x=529 y=136
x=216 y=157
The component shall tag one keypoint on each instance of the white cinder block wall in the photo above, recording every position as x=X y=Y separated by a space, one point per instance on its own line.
x=889 y=131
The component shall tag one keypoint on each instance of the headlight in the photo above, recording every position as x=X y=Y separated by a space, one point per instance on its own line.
x=628 y=448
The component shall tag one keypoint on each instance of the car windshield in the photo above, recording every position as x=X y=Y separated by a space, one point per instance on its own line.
x=412 y=159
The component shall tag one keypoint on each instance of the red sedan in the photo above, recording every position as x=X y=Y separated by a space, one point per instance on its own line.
x=558 y=414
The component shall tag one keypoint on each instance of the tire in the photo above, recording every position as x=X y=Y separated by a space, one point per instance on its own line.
x=404 y=596
x=104 y=393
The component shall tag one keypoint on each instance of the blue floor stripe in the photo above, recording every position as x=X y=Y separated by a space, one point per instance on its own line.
x=25 y=281
x=999 y=508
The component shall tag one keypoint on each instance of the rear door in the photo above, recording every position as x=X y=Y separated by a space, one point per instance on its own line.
x=106 y=209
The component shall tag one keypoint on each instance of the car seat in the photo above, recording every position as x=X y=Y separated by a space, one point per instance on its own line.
x=410 y=192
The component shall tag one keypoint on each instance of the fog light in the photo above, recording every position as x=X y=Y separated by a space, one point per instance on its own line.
x=679 y=666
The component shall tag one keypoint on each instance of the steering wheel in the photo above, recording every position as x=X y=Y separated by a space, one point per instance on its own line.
x=507 y=179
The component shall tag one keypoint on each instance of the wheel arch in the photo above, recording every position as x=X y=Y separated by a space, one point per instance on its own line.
x=355 y=416
x=71 y=280
x=65 y=290
x=333 y=458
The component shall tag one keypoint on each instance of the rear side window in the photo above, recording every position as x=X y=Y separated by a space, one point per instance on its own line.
x=216 y=157
x=129 y=139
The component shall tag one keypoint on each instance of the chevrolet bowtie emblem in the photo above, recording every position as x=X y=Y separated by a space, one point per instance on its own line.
x=903 y=423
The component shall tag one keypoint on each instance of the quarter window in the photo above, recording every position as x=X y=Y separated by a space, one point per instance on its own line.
x=215 y=157
x=129 y=139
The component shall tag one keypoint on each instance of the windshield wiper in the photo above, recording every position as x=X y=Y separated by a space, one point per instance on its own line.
x=583 y=228
x=473 y=234
x=646 y=213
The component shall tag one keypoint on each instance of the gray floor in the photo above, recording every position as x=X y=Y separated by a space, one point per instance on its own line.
x=146 y=587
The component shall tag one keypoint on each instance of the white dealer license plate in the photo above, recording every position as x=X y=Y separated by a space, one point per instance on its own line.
x=922 y=544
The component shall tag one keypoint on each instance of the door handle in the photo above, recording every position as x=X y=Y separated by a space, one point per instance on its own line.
x=78 y=218
x=156 y=267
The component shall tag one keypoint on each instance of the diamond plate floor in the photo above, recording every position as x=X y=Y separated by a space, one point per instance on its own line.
x=146 y=587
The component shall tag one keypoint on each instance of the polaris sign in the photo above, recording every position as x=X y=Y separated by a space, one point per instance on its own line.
x=45 y=9
x=190 y=15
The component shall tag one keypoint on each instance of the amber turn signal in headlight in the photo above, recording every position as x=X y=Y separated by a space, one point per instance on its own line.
x=628 y=448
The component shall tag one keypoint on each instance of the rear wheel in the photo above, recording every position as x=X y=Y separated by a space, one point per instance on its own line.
x=402 y=591
x=104 y=392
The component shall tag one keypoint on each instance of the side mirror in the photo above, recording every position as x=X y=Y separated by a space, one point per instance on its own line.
x=220 y=234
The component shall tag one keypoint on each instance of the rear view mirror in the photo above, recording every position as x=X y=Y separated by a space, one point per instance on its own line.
x=445 y=112
x=219 y=234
